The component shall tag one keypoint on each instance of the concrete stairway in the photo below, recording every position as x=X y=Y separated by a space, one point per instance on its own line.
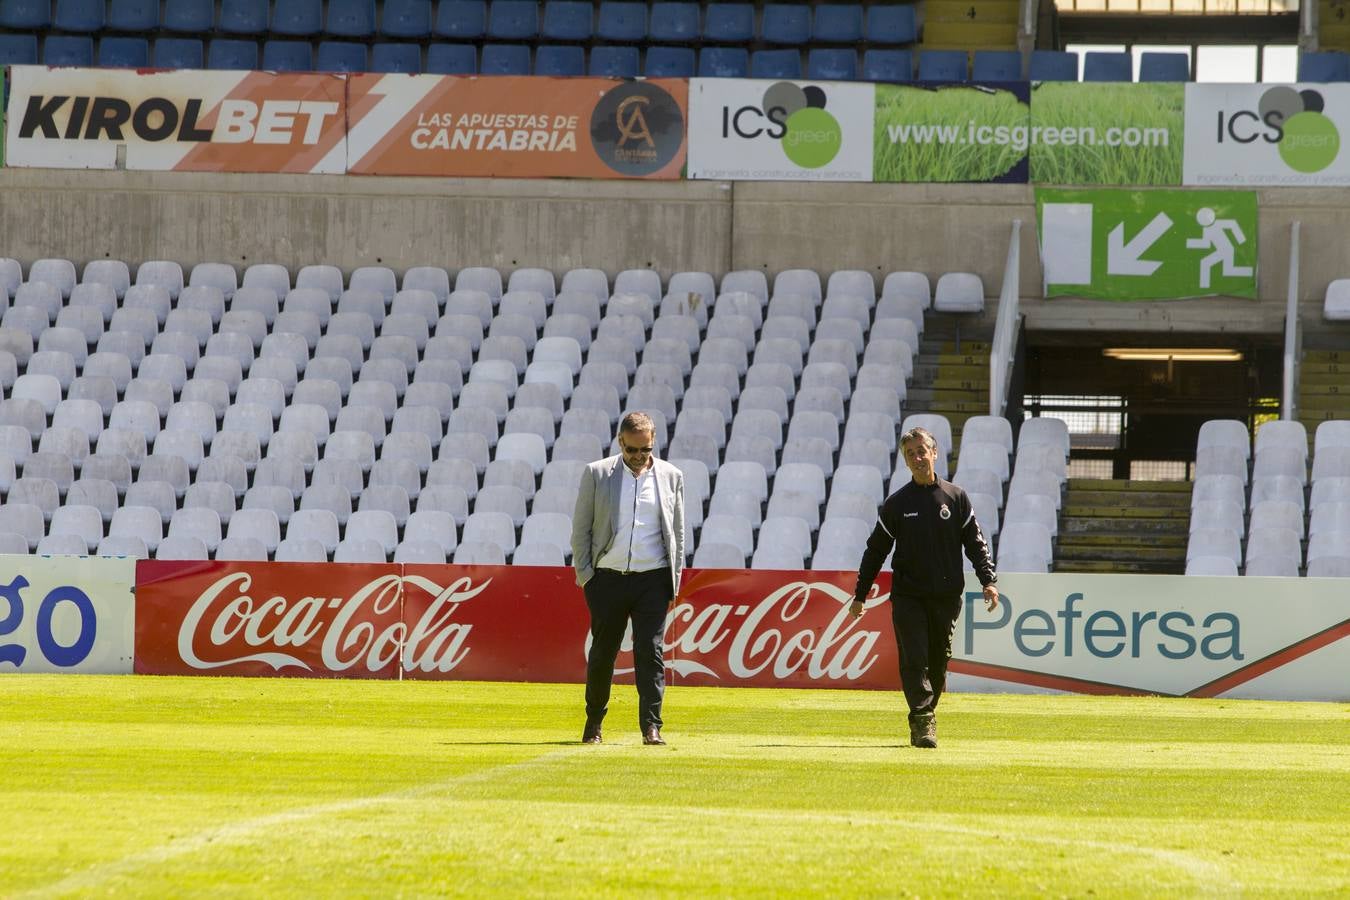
x=1118 y=526
x=951 y=373
x=1323 y=389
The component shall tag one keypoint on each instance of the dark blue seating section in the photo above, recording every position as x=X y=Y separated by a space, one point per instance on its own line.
x=1164 y=67
x=1102 y=66
x=1324 y=67
x=628 y=38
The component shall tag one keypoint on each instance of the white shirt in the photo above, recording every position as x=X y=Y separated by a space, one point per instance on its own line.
x=638 y=545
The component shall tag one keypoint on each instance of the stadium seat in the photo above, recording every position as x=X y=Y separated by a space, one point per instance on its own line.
x=622 y=22
x=1054 y=65
x=80 y=16
x=785 y=24
x=996 y=65
x=462 y=20
x=888 y=65
x=674 y=23
x=243 y=17
x=188 y=16
x=891 y=24
x=1336 y=304
x=179 y=53
x=1328 y=66
x=669 y=62
x=133 y=16
x=19 y=49
x=297 y=18
x=350 y=18
x=729 y=23
x=943 y=65
x=405 y=58
x=1107 y=66
x=959 y=292
x=614 y=62
x=340 y=56
x=567 y=20
x=505 y=59
x=67 y=50
x=223 y=53
x=553 y=59
x=832 y=64
x=288 y=56
x=25 y=15
x=1164 y=67
x=776 y=64
x=513 y=20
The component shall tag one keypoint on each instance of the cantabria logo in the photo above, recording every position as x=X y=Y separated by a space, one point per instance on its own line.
x=793 y=115
x=1307 y=139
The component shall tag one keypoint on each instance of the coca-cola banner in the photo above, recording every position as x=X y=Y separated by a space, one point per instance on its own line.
x=249 y=618
x=66 y=614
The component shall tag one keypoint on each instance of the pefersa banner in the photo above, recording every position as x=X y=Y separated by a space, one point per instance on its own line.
x=1266 y=134
x=951 y=133
x=182 y=121
x=1102 y=133
x=66 y=614
x=516 y=127
x=757 y=130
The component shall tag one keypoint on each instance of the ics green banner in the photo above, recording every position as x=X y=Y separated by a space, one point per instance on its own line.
x=937 y=133
x=1147 y=245
x=1099 y=133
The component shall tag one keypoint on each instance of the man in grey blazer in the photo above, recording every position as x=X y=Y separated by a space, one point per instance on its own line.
x=628 y=552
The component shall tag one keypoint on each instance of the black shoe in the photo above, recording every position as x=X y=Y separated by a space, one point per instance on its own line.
x=591 y=734
x=652 y=736
x=923 y=731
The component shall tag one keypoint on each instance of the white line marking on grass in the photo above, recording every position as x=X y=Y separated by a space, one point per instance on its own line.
x=96 y=876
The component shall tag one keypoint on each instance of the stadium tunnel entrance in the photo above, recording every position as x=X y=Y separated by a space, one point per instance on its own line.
x=1134 y=402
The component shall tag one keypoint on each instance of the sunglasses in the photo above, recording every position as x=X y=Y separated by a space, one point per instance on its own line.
x=636 y=451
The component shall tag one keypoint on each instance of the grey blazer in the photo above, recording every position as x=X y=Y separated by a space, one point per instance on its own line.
x=596 y=516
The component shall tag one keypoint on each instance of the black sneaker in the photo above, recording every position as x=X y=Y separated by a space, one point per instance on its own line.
x=923 y=731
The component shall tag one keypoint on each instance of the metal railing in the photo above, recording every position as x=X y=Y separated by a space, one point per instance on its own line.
x=1005 y=330
x=1293 y=336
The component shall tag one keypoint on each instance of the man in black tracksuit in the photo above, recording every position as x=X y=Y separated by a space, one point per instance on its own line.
x=928 y=521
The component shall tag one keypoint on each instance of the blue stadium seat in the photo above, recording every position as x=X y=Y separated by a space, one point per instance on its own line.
x=179 y=53
x=942 y=65
x=20 y=49
x=786 y=23
x=622 y=21
x=302 y=18
x=669 y=62
x=1323 y=67
x=559 y=59
x=567 y=20
x=505 y=59
x=1054 y=65
x=124 y=52
x=340 y=56
x=350 y=18
x=723 y=62
x=888 y=65
x=674 y=23
x=452 y=59
x=242 y=17
x=513 y=20
x=67 y=50
x=463 y=20
x=997 y=65
x=838 y=23
x=776 y=64
x=614 y=62
x=729 y=23
x=832 y=64
x=1102 y=66
x=288 y=56
x=406 y=18
x=188 y=16
x=25 y=14
x=889 y=25
x=225 y=53
x=405 y=58
x=133 y=15
x=80 y=16
x=1164 y=67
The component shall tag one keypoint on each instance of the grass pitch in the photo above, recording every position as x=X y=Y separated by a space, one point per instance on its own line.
x=294 y=788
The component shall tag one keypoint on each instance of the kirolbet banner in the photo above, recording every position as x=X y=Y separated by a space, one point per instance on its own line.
x=184 y=121
x=1147 y=245
x=66 y=614
x=1261 y=638
x=516 y=127
x=758 y=130
x=1107 y=133
x=951 y=132
x=1264 y=134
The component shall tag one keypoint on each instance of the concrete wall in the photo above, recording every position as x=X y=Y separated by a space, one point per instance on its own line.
x=669 y=227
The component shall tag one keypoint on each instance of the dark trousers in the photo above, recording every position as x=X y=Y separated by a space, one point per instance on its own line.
x=614 y=599
x=924 y=628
